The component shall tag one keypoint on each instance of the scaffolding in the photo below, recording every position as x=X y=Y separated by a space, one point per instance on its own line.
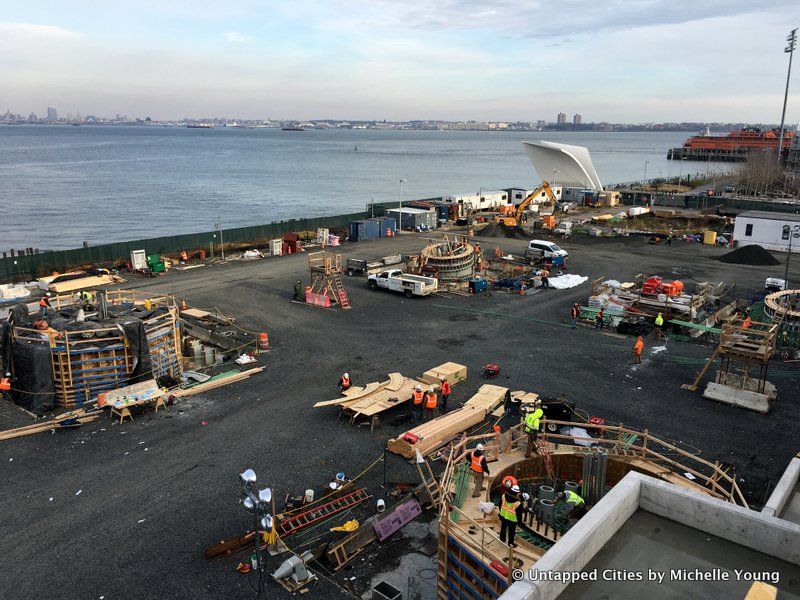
x=92 y=360
x=325 y=275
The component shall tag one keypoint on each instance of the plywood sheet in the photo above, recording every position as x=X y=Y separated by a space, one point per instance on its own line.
x=82 y=283
x=381 y=400
x=488 y=397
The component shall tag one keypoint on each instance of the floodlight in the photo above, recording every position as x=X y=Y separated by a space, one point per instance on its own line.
x=266 y=522
x=248 y=504
x=248 y=477
x=265 y=495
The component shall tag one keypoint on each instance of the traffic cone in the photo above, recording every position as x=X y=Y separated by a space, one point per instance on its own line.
x=263 y=342
x=183 y=305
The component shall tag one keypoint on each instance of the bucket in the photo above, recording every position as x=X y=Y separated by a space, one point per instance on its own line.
x=381 y=505
x=309 y=496
x=263 y=342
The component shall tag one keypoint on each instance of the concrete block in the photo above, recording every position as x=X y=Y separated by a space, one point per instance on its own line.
x=751 y=385
x=736 y=397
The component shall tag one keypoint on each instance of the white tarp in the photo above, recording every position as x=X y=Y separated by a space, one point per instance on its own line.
x=563 y=282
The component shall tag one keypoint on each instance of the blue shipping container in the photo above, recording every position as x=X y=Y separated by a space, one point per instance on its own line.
x=385 y=223
x=368 y=230
x=353 y=233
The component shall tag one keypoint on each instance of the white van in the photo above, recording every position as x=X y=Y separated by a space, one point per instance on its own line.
x=547 y=249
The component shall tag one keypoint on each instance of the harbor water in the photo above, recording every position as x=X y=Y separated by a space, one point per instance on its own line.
x=63 y=185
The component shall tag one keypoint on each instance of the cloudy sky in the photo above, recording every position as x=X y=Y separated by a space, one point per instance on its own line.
x=610 y=60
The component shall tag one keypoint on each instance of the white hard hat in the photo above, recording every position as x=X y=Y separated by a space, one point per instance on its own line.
x=479 y=447
x=515 y=489
x=347 y=375
x=419 y=388
x=430 y=389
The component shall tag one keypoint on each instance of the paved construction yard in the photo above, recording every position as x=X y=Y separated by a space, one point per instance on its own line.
x=126 y=511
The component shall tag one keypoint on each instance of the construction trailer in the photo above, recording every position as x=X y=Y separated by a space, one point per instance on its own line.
x=415 y=218
x=71 y=362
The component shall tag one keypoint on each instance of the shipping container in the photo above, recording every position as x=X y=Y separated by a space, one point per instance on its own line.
x=387 y=223
x=364 y=230
x=415 y=219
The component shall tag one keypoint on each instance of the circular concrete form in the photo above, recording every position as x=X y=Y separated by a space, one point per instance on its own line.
x=777 y=304
x=454 y=261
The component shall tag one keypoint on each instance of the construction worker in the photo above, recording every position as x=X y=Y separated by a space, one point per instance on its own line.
x=598 y=320
x=431 y=402
x=747 y=322
x=545 y=275
x=574 y=313
x=479 y=468
x=657 y=334
x=509 y=481
x=445 y=394
x=416 y=404
x=44 y=304
x=532 y=420
x=637 y=350
x=344 y=382
x=510 y=514
x=184 y=256
x=572 y=499
x=298 y=291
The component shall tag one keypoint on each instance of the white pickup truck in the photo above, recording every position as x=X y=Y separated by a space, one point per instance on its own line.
x=397 y=281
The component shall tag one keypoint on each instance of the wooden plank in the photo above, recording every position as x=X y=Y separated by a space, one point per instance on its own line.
x=210 y=385
x=83 y=283
x=437 y=432
x=488 y=397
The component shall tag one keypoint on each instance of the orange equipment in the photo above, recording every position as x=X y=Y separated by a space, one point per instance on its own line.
x=516 y=218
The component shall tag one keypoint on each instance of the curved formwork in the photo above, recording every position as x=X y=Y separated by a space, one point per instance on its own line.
x=454 y=261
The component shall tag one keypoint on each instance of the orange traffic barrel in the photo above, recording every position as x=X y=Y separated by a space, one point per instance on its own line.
x=183 y=305
x=263 y=342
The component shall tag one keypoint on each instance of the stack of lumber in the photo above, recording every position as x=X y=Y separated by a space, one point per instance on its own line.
x=450 y=370
x=73 y=418
x=83 y=283
x=437 y=432
x=374 y=397
x=216 y=381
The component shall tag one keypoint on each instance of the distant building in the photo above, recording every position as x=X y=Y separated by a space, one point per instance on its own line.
x=793 y=156
x=562 y=119
x=52 y=114
x=577 y=119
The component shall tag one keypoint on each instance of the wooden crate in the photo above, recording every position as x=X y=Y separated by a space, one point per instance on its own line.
x=452 y=371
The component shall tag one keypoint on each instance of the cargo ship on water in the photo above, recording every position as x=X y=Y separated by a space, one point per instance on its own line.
x=733 y=147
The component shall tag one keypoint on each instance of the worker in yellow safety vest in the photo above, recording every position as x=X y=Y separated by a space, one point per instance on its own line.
x=532 y=427
x=510 y=514
x=572 y=500
x=479 y=468
x=431 y=402
x=416 y=404
x=657 y=333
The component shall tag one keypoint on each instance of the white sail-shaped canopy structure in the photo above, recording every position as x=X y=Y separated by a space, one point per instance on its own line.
x=567 y=164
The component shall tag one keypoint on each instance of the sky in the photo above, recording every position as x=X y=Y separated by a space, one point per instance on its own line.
x=627 y=61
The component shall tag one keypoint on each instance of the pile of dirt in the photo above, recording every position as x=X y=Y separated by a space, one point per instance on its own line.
x=498 y=230
x=750 y=255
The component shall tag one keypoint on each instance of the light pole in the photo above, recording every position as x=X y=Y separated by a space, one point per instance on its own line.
x=791 y=40
x=554 y=175
x=794 y=232
x=259 y=504
x=644 y=178
x=218 y=225
x=400 y=206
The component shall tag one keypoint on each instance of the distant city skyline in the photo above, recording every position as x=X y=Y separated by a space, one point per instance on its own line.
x=620 y=62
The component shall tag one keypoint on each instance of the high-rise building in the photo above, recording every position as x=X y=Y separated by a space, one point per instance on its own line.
x=577 y=119
x=52 y=114
x=562 y=118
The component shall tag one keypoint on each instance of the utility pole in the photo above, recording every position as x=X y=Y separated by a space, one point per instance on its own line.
x=221 y=242
x=791 y=40
x=400 y=206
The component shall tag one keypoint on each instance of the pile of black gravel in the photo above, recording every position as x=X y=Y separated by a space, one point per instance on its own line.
x=750 y=255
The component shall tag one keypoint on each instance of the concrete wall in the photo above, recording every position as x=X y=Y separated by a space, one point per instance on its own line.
x=784 y=490
x=635 y=491
x=766 y=232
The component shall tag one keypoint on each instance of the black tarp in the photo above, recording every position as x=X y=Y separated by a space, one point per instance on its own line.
x=140 y=350
x=33 y=386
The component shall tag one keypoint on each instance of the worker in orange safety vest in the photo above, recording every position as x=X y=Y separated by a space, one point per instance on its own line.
x=416 y=404
x=637 y=350
x=479 y=468
x=44 y=304
x=431 y=402
x=445 y=394
x=344 y=382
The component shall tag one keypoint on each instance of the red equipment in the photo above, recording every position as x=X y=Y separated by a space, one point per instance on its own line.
x=491 y=371
x=651 y=285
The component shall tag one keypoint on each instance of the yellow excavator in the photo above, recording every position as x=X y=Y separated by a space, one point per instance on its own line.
x=516 y=219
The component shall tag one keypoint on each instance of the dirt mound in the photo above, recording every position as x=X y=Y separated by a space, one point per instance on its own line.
x=750 y=255
x=498 y=230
